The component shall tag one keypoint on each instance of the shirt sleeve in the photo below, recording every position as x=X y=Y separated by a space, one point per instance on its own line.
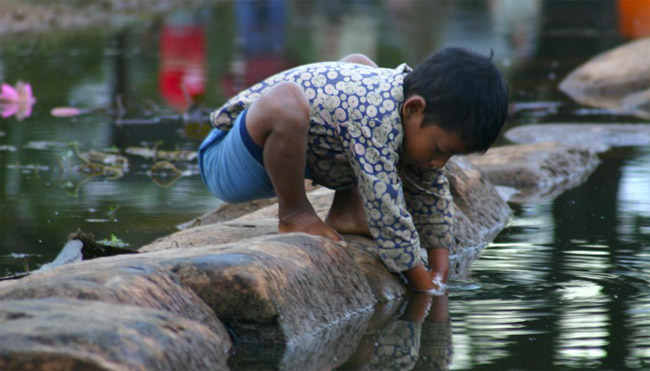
x=430 y=203
x=391 y=225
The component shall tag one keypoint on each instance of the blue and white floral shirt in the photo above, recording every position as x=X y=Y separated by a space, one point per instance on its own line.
x=356 y=136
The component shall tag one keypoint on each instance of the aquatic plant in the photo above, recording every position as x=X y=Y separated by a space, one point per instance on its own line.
x=113 y=242
x=16 y=100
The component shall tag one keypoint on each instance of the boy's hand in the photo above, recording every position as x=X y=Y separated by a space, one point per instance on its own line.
x=422 y=280
x=439 y=263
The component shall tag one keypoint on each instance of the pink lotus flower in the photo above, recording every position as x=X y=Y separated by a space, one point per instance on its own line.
x=16 y=100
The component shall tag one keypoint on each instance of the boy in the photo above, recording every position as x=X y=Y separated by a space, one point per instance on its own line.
x=379 y=137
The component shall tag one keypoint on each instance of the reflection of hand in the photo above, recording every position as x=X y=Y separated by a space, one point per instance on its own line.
x=436 y=347
x=418 y=307
x=439 y=309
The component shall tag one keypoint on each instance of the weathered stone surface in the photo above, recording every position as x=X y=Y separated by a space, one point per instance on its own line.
x=618 y=79
x=226 y=211
x=58 y=334
x=140 y=283
x=293 y=289
x=538 y=170
x=591 y=137
x=480 y=214
x=480 y=211
x=296 y=283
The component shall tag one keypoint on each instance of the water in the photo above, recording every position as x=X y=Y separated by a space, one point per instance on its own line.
x=565 y=285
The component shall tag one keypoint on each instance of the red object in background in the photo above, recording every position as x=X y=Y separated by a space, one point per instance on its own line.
x=634 y=18
x=182 y=49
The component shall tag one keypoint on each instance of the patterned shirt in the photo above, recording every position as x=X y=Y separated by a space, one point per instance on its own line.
x=355 y=137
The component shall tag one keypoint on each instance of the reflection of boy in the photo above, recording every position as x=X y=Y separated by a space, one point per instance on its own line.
x=379 y=137
x=419 y=339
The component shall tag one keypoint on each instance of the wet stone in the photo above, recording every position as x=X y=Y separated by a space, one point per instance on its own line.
x=293 y=285
x=481 y=214
x=142 y=284
x=67 y=334
x=618 y=79
x=539 y=171
x=591 y=137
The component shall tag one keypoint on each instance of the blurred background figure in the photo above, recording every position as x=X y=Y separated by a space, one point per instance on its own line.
x=260 y=44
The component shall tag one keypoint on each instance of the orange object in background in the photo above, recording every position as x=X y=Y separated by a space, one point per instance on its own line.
x=182 y=70
x=634 y=18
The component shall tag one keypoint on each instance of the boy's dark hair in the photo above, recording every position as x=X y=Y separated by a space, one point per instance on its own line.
x=465 y=94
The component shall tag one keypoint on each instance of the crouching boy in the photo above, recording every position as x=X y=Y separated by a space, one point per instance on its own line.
x=377 y=136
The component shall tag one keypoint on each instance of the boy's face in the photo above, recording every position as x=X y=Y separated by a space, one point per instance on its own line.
x=428 y=146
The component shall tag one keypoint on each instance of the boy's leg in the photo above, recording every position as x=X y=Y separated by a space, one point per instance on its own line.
x=347 y=214
x=278 y=122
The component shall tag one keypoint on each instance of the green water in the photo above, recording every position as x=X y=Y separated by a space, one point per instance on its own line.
x=565 y=286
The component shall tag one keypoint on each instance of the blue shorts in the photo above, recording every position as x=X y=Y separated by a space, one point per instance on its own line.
x=231 y=165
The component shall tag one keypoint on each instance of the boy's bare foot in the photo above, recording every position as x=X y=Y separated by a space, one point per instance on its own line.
x=308 y=222
x=347 y=215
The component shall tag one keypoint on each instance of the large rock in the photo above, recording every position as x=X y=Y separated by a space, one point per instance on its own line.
x=540 y=171
x=480 y=215
x=591 y=137
x=273 y=288
x=58 y=334
x=124 y=281
x=297 y=290
x=618 y=79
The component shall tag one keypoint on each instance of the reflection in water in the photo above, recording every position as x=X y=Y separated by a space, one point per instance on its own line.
x=182 y=60
x=634 y=198
x=416 y=335
x=260 y=44
x=516 y=27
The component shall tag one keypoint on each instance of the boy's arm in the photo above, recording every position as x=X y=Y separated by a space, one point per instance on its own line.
x=389 y=220
x=431 y=205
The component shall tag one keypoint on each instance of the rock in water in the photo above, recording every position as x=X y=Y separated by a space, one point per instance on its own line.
x=618 y=79
x=59 y=334
x=540 y=171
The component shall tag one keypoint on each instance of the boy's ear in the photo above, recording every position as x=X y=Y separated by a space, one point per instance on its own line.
x=415 y=104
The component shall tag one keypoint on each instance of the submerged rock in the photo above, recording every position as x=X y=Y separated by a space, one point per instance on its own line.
x=539 y=171
x=590 y=137
x=618 y=79
x=56 y=334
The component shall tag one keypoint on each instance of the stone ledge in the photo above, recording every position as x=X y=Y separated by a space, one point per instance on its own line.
x=480 y=214
x=618 y=79
x=116 y=281
x=291 y=289
x=59 y=334
x=539 y=171
x=588 y=136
